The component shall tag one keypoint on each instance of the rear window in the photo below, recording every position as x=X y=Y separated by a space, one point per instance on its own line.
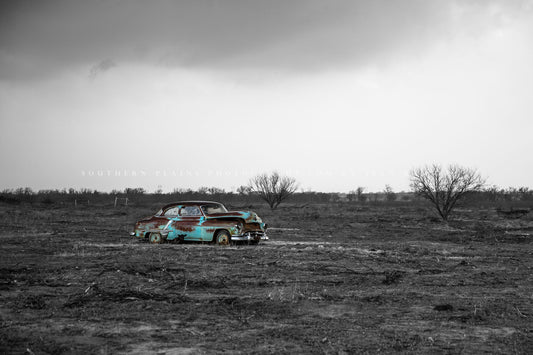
x=210 y=209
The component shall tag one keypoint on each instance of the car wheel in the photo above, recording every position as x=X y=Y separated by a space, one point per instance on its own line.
x=155 y=238
x=222 y=237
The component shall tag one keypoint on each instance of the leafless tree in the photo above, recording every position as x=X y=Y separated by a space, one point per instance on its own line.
x=361 y=197
x=443 y=188
x=389 y=193
x=244 y=190
x=273 y=188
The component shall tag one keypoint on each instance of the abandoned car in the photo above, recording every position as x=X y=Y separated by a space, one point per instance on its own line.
x=204 y=221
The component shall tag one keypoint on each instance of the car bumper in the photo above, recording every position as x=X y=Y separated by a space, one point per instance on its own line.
x=249 y=237
x=142 y=234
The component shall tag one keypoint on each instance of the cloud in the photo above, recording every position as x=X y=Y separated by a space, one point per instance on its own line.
x=42 y=38
x=102 y=67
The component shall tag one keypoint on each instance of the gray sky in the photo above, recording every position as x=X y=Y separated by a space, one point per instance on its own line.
x=339 y=94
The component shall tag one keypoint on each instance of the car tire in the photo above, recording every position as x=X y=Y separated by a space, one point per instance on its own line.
x=155 y=238
x=222 y=237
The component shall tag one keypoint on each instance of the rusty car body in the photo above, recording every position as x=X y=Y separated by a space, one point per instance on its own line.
x=204 y=221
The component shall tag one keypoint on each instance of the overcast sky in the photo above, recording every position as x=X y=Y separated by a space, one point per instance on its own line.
x=339 y=94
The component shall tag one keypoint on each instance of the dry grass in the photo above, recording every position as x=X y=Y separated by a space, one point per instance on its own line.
x=333 y=279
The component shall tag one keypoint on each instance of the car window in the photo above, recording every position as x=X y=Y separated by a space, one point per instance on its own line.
x=190 y=211
x=210 y=209
x=173 y=211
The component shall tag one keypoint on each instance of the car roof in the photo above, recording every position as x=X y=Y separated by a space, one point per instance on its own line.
x=191 y=203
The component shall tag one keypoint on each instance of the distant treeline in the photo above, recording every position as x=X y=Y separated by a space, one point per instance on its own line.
x=243 y=196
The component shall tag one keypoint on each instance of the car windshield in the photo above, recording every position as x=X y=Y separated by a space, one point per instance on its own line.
x=210 y=209
x=173 y=211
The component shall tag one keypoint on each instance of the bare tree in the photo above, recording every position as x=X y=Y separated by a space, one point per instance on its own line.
x=361 y=197
x=244 y=190
x=273 y=188
x=389 y=193
x=444 y=188
x=357 y=195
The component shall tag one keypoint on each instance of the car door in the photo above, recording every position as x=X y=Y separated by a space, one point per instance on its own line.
x=188 y=225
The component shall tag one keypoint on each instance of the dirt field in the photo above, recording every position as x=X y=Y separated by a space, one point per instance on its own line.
x=333 y=279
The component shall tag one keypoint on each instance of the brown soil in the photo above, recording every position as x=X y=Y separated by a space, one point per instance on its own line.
x=333 y=279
